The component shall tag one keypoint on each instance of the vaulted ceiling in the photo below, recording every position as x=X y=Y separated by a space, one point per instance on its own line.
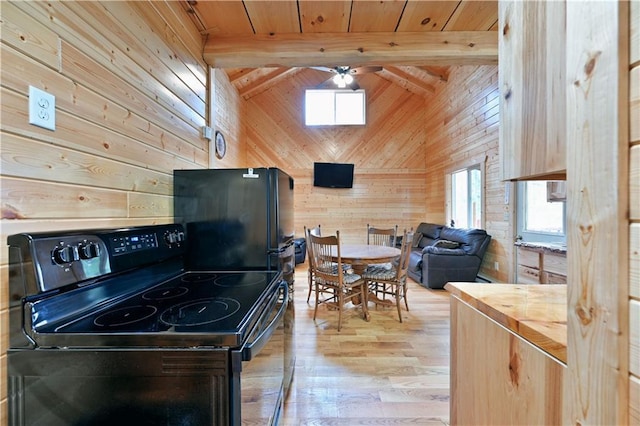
x=261 y=43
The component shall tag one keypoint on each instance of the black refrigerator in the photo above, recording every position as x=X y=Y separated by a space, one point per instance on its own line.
x=236 y=219
x=240 y=220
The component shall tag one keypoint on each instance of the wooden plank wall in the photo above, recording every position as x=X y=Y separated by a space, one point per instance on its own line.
x=131 y=95
x=227 y=112
x=388 y=153
x=462 y=129
x=634 y=202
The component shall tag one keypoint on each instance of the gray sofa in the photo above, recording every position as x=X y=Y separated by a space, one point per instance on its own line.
x=441 y=254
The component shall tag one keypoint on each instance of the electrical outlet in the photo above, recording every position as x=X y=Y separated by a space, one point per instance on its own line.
x=496 y=266
x=42 y=108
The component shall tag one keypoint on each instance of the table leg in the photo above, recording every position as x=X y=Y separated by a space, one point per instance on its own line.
x=358 y=268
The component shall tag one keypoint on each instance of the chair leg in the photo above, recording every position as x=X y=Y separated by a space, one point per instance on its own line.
x=404 y=295
x=310 y=287
x=340 y=306
x=397 y=292
x=315 y=309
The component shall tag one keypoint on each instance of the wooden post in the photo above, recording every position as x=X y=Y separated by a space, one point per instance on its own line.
x=596 y=381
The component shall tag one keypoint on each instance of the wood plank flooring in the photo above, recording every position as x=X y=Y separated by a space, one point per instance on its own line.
x=381 y=372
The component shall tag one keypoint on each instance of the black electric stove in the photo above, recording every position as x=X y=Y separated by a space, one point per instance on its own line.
x=115 y=312
x=128 y=287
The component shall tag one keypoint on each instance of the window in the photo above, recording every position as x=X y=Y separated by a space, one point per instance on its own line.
x=538 y=219
x=466 y=198
x=334 y=107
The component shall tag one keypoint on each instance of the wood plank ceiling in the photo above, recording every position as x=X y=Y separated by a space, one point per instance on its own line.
x=261 y=43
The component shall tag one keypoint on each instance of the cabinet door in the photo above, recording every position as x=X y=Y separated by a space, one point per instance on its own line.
x=556 y=263
x=528 y=275
x=506 y=382
x=528 y=270
x=551 y=278
x=532 y=89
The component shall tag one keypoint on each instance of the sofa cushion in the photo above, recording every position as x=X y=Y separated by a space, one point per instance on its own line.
x=446 y=244
x=470 y=239
x=429 y=230
x=444 y=250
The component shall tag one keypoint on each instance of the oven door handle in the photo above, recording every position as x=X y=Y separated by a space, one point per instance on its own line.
x=252 y=349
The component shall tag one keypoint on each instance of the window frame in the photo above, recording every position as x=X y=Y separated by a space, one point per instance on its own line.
x=473 y=164
x=536 y=236
x=337 y=121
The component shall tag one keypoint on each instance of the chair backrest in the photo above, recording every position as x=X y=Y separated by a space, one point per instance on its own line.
x=381 y=237
x=316 y=231
x=326 y=257
x=312 y=231
x=405 y=252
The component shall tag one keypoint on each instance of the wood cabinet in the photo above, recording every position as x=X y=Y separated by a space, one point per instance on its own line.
x=541 y=266
x=508 y=381
x=532 y=89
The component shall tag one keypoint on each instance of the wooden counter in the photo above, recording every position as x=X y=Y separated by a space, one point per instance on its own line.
x=536 y=313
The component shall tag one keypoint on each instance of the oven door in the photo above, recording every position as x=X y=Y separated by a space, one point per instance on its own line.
x=258 y=367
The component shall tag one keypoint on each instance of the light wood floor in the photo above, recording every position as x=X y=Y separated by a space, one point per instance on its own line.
x=381 y=372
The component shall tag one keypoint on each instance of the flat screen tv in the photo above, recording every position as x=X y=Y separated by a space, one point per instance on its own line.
x=333 y=175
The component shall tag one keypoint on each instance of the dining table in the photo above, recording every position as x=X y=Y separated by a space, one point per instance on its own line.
x=359 y=256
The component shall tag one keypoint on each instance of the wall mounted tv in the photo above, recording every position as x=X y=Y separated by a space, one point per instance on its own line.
x=333 y=175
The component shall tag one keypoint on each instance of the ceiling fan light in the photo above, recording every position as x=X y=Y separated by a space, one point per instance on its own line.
x=338 y=79
x=348 y=78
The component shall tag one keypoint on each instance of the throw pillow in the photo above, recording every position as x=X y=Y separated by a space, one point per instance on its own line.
x=446 y=244
x=416 y=239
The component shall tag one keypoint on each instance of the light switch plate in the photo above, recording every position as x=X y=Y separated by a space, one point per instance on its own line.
x=42 y=108
x=207 y=132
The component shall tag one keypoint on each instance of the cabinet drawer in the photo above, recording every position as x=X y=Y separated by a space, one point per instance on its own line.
x=528 y=258
x=551 y=278
x=528 y=275
x=555 y=263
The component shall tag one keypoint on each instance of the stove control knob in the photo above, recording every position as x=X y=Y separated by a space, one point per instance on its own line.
x=66 y=254
x=174 y=238
x=88 y=250
x=170 y=238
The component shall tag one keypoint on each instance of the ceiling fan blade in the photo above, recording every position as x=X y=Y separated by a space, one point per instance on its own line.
x=325 y=69
x=364 y=70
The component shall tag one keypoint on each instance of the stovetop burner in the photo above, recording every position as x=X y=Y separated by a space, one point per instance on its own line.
x=125 y=316
x=200 y=312
x=198 y=277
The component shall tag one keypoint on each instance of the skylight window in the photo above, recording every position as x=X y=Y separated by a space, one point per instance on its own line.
x=330 y=107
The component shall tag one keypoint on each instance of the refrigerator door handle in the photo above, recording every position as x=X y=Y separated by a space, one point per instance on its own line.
x=281 y=249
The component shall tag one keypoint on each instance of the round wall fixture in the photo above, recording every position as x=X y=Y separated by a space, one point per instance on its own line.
x=221 y=145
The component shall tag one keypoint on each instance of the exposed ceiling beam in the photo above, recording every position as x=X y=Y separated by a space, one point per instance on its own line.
x=353 y=49
x=440 y=72
x=407 y=80
x=267 y=81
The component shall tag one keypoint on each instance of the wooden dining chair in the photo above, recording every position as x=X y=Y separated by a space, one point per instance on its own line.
x=391 y=282
x=317 y=232
x=382 y=236
x=334 y=286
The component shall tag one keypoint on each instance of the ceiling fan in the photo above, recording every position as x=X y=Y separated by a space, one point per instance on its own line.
x=344 y=75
